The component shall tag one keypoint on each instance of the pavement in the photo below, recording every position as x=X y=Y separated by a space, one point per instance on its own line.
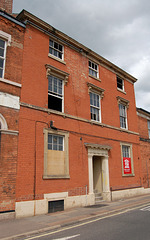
x=24 y=227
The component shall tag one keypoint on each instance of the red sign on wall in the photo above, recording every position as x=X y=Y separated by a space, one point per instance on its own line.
x=127 y=165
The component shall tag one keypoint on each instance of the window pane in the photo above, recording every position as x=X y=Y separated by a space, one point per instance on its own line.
x=60 y=48
x=55 y=45
x=49 y=138
x=119 y=83
x=51 y=43
x=55 y=53
x=2 y=43
x=1 y=52
x=126 y=151
x=1 y=73
x=50 y=50
x=55 y=142
x=60 y=55
x=1 y=63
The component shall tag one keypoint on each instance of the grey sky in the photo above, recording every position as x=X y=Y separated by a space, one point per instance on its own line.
x=116 y=29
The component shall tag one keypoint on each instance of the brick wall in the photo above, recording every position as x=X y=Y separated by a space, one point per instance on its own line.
x=77 y=104
x=144 y=148
x=6 y=5
x=9 y=135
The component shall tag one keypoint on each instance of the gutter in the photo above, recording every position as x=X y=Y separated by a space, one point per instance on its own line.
x=12 y=19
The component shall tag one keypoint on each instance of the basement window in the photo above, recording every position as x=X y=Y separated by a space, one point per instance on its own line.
x=55 y=206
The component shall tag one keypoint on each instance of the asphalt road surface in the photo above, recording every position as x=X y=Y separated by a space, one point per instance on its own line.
x=127 y=225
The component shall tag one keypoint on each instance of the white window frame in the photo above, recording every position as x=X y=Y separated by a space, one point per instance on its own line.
x=123 y=116
x=125 y=103
x=97 y=91
x=129 y=146
x=61 y=75
x=122 y=85
x=56 y=50
x=54 y=94
x=7 y=39
x=96 y=109
x=148 y=123
x=92 y=69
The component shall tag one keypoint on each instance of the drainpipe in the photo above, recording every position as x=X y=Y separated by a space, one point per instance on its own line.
x=34 y=186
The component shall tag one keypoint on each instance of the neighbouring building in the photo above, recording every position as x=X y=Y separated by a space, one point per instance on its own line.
x=11 y=49
x=144 y=131
x=69 y=126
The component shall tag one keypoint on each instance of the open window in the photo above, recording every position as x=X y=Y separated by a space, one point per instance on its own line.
x=120 y=83
x=56 y=81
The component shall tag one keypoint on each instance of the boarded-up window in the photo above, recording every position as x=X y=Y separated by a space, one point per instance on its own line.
x=56 y=160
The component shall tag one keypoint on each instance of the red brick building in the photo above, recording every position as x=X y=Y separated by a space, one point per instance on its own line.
x=76 y=118
x=11 y=50
x=144 y=131
x=78 y=131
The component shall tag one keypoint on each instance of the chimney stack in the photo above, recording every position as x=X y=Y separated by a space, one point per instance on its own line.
x=6 y=5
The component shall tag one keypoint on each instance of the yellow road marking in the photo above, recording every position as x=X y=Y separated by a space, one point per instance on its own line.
x=88 y=222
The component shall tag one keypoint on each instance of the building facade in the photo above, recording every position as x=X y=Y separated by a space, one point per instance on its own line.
x=68 y=122
x=144 y=131
x=11 y=49
x=78 y=131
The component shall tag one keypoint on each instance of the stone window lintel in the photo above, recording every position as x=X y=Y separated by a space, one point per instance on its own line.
x=50 y=70
x=123 y=101
x=95 y=89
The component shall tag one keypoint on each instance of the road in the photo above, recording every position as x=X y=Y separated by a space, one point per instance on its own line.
x=127 y=225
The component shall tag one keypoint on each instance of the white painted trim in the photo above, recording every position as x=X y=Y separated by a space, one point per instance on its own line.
x=143 y=116
x=3 y=123
x=11 y=132
x=10 y=82
x=6 y=37
x=8 y=100
x=56 y=196
x=65 y=115
x=128 y=193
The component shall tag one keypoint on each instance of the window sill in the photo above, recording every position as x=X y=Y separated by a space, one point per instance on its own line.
x=57 y=59
x=56 y=177
x=120 y=90
x=128 y=175
x=94 y=121
x=124 y=129
x=98 y=79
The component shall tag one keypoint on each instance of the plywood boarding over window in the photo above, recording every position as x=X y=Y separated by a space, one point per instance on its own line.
x=55 y=162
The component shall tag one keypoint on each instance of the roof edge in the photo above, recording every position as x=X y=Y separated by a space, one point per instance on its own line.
x=25 y=16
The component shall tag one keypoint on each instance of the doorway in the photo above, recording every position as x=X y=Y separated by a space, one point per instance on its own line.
x=97 y=174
